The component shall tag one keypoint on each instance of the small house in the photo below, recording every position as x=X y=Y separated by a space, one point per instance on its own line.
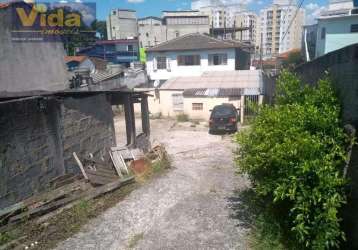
x=194 y=54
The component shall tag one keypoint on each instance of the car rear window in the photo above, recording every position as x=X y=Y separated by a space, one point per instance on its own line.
x=223 y=111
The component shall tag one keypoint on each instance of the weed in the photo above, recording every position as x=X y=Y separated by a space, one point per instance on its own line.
x=182 y=118
x=134 y=240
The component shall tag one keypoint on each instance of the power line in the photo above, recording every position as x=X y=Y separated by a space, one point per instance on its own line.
x=293 y=19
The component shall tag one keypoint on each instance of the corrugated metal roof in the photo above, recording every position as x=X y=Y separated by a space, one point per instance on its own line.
x=101 y=76
x=218 y=92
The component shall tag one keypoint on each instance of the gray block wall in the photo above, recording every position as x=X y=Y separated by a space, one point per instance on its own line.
x=38 y=137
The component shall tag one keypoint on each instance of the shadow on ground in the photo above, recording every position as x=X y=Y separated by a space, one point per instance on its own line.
x=244 y=207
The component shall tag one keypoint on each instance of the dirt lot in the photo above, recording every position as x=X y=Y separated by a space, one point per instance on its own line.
x=187 y=208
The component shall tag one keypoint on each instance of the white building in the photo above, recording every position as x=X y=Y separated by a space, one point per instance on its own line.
x=122 y=24
x=251 y=20
x=193 y=54
x=337 y=27
x=197 y=96
x=281 y=28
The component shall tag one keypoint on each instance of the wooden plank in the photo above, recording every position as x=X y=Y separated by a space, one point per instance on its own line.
x=80 y=165
x=88 y=195
x=100 y=180
x=116 y=166
x=124 y=163
x=102 y=174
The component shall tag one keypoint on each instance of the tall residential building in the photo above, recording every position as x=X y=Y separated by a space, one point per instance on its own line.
x=151 y=31
x=247 y=19
x=281 y=28
x=122 y=24
x=179 y=23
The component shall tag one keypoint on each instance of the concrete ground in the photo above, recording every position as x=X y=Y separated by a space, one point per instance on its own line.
x=187 y=208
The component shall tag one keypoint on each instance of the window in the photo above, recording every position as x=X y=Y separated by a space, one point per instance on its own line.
x=130 y=48
x=217 y=59
x=188 y=60
x=354 y=28
x=161 y=62
x=323 y=33
x=197 y=106
x=178 y=102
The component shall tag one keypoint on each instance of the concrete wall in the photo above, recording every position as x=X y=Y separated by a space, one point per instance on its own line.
x=338 y=34
x=343 y=67
x=163 y=104
x=28 y=66
x=121 y=25
x=38 y=137
x=151 y=32
x=176 y=71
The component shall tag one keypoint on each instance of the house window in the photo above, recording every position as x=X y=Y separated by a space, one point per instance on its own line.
x=130 y=48
x=161 y=62
x=354 y=28
x=197 y=106
x=188 y=60
x=178 y=102
x=323 y=33
x=217 y=59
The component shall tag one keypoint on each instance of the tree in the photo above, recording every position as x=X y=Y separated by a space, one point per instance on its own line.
x=101 y=29
x=294 y=154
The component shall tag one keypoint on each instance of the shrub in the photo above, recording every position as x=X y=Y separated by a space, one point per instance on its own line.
x=294 y=153
x=182 y=118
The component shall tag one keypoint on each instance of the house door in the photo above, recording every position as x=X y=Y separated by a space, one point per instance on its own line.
x=178 y=102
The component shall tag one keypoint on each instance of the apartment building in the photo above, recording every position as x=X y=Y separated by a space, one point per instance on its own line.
x=122 y=24
x=281 y=27
x=251 y=20
x=179 y=23
x=151 y=31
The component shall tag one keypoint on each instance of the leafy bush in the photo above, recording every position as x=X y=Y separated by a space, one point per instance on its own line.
x=182 y=118
x=294 y=153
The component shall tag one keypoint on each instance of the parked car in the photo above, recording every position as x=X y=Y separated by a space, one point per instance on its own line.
x=224 y=118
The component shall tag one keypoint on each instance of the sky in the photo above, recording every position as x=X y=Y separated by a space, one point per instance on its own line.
x=154 y=7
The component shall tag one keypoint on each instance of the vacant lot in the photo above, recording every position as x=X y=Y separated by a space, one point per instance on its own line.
x=187 y=208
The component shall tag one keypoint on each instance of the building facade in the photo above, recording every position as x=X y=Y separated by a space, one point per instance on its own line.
x=194 y=54
x=337 y=27
x=151 y=31
x=124 y=51
x=180 y=23
x=122 y=24
x=281 y=28
x=247 y=19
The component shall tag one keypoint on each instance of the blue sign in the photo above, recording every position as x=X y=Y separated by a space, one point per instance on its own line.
x=355 y=2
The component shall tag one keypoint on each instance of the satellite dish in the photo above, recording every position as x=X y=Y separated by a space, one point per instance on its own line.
x=156 y=83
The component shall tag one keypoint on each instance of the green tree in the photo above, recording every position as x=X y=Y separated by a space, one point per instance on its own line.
x=101 y=28
x=293 y=154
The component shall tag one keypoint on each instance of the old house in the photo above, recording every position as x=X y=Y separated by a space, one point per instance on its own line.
x=79 y=62
x=194 y=54
x=196 y=96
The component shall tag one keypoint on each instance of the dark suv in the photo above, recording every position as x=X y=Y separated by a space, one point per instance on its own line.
x=224 y=118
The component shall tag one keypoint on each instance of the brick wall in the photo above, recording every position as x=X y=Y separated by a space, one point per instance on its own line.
x=38 y=137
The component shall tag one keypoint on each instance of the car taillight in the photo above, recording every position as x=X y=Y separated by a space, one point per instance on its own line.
x=232 y=120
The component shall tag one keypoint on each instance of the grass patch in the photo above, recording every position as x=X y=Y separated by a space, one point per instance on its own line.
x=182 y=118
x=135 y=240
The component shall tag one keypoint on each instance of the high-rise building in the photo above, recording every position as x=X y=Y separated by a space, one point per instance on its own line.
x=250 y=20
x=122 y=24
x=281 y=28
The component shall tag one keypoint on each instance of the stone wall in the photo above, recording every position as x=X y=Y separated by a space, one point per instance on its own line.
x=39 y=135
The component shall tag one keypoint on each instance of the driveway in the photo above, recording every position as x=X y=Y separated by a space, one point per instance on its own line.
x=187 y=208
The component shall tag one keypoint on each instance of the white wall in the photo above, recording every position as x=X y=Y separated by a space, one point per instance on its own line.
x=176 y=71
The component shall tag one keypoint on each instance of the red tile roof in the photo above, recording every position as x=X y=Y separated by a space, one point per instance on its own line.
x=4 y=5
x=75 y=58
x=286 y=54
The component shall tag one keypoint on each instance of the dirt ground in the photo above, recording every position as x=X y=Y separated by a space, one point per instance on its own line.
x=187 y=208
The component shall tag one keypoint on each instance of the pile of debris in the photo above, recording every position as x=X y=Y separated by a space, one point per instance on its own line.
x=98 y=178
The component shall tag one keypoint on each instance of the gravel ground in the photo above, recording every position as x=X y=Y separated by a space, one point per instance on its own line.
x=187 y=208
